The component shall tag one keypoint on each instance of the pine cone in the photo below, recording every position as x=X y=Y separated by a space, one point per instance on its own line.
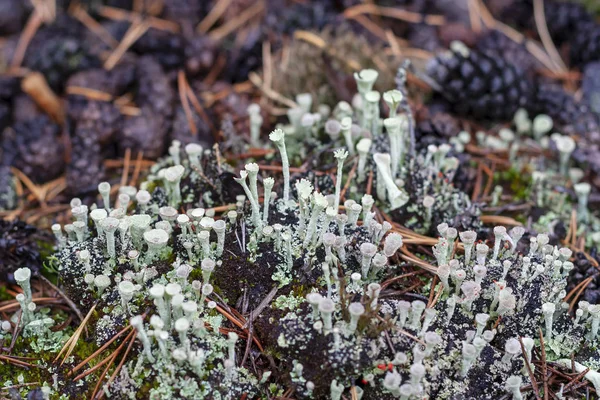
x=479 y=85
x=149 y=131
x=58 y=51
x=583 y=270
x=574 y=117
x=566 y=20
x=114 y=82
x=33 y=146
x=165 y=47
x=12 y=16
x=86 y=169
x=8 y=197
x=19 y=248
x=181 y=129
x=585 y=44
x=591 y=86
x=436 y=129
x=497 y=44
x=188 y=12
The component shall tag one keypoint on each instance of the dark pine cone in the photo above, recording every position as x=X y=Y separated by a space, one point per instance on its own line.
x=564 y=17
x=233 y=104
x=436 y=129
x=149 y=131
x=114 y=82
x=244 y=58
x=200 y=55
x=590 y=84
x=185 y=11
x=285 y=17
x=585 y=44
x=85 y=170
x=583 y=270
x=34 y=147
x=5 y=114
x=92 y=127
x=478 y=85
x=8 y=196
x=9 y=86
x=574 y=117
x=497 y=44
x=12 y=16
x=181 y=129
x=19 y=248
x=59 y=52
x=566 y=20
x=167 y=48
x=99 y=120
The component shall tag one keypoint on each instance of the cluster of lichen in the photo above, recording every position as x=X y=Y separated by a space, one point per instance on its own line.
x=319 y=253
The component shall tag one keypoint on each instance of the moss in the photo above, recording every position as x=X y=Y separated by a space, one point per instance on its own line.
x=517 y=180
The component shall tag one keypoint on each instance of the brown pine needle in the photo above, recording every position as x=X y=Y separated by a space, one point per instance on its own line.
x=199 y=109
x=535 y=49
x=94 y=26
x=239 y=324
x=64 y=296
x=28 y=183
x=584 y=284
x=270 y=93
x=245 y=16
x=126 y=162
x=135 y=31
x=91 y=94
x=349 y=179
x=267 y=63
x=91 y=370
x=213 y=16
x=542 y=27
x=400 y=277
x=33 y=24
x=137 y=169
x=36 y=86
x=536 y=389
x=499 y=220
x=410 y=257
x=129 y=346
x=15 y=361
x=319 y=42
x=181 y=87
x=544 y=364
x=103 y=375
x=474 y=15
x=100 y=350
x=119 y=14
x=13 y=305
x=394 y=13
x=72 y=342
x=393 y=41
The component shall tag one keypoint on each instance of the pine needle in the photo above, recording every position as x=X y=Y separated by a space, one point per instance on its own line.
x=72 y=342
